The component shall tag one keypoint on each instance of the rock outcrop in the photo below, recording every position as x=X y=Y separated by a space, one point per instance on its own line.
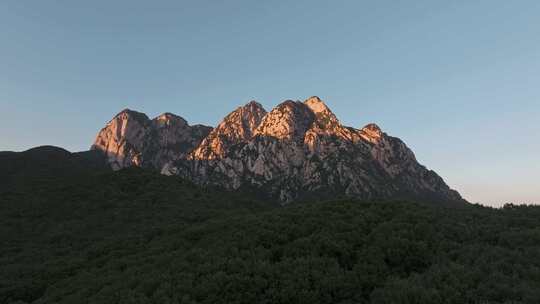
x=297 y=150
x=132 y=139
x=237 y=127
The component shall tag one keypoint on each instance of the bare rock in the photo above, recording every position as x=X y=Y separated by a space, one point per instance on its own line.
x=132 y=139
x=298 y=150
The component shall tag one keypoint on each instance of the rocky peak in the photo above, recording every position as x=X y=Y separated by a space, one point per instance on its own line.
x=326 y=122
x=122 y=138
x=128 y=114
x=128 y=125
x=372 y=133
x=242 y=122
x=316 y=105
x=254 y=106
x=372 y=128
x=169 y=119
x=297 y=149
x=237 y=126
x=289 y=120
x=132 y=139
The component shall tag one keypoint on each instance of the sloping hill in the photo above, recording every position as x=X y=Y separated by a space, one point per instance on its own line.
x=135 y=236
x=46 y=164
x=52 y=230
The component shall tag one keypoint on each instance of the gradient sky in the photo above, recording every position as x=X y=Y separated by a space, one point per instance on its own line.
x=458 y=81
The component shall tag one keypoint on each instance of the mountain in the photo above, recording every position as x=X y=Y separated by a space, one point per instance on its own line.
x=237 y=127
x=75 y=231
x=297 y=151
x=132 y=139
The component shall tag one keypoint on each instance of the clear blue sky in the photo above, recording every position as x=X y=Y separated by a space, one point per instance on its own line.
x=458 y=81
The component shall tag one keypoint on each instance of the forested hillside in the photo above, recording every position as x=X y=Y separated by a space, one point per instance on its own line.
x=135 y=236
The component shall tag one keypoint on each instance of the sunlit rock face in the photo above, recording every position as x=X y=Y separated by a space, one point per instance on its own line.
x=132 y=139
x=237 y=127
x=124 y=139
x=298 y=150
x=287 y=121
x=174 y=138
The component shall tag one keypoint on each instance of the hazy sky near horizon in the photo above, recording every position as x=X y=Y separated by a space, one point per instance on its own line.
x=458 y=81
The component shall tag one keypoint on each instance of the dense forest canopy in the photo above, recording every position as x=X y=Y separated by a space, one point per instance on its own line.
x=134 y=236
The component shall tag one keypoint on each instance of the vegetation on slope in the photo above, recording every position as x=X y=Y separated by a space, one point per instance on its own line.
x=135 y=236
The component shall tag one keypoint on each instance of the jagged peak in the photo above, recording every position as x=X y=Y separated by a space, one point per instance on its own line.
x=289 y=103
x=316 y=105
x=298 y=147
x=129 y=111
x=325 y=120
x=290 y=119
x=372 y=127
x=131 y=114
x=168 y=118
x=248 y=116
x=167 y=115
x=254 y=104
x=372 y=132
x=237 y=126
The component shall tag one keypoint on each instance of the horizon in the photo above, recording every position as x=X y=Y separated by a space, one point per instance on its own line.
x=455 y=81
